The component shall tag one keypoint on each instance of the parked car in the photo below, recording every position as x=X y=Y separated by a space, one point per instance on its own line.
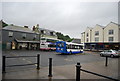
x=110 y=53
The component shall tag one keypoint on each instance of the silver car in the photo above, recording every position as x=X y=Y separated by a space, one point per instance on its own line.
x=111 y=53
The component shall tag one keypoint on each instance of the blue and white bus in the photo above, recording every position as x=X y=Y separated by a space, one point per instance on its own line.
x=68 y=47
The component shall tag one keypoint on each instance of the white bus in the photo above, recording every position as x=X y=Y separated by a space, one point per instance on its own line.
x=48 y=43
x=68 y=47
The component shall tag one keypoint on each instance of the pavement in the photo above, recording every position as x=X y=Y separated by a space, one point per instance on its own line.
x=67 y=71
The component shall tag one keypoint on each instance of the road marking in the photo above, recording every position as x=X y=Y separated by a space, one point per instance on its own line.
x=35 y=64
x=68 y=59
x=24 y=59
x=28 y=61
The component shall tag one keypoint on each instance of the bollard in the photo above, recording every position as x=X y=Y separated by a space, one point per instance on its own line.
x=78 y=67
x=50 y=67
x=3 y=64
x=106 y=63
x=38 y=62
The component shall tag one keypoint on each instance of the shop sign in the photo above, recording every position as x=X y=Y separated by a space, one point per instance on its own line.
x=100 y=43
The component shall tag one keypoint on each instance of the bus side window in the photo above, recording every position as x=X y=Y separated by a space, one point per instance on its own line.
x=62 y=44
x=58 y=45
x=80 y=47
x=67 y=46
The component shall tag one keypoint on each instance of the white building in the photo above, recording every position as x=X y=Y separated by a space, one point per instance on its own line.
x=112 y=33
x=97 y=34
x=100 y=37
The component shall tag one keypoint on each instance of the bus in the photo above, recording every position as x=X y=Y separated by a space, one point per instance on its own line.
x=68 y=47
x=48 y=43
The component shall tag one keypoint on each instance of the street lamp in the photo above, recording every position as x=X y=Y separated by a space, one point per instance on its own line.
x=38 y=30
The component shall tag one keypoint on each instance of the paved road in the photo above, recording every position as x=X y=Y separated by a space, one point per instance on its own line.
x=58 y=59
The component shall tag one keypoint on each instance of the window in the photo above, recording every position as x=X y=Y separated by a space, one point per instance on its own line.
x=61 y=45
x=96 y=39
x=96 y=32
x=43 y=39
x=34 y=37
x=51 y=33
x=54 y=33
x=51 y=40
x=24 y=35
x=10 y=34
x=87 y=39
x=43 y=32
x=111 y=39
x=87 y=34
x=111 y=32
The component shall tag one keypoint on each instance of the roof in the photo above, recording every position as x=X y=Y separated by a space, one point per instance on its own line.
x=100 y=26
x=73 y=43
x=50 y=38
x=18 y=28
x=69 y=43
x=90 y=28
x=76 y=40
x=47 y=30
x=113 y=23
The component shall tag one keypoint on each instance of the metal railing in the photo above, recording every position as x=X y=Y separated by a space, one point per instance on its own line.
x=78 y=71
x=4 y=62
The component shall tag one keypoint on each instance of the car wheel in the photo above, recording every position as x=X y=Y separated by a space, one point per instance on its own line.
x=111 y=56
x=70 y=52
x=101 y=55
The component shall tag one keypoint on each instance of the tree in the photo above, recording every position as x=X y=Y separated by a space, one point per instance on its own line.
x=3 y=23
x=64 y=38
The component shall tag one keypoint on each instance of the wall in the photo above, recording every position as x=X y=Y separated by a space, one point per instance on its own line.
x=89 y=35
x=100 y=29
x=0 y=61
x=115 y=35
x=18 y=35
x=83 y=37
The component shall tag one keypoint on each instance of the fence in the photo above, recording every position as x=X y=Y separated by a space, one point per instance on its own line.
x=78 y=67
x=4 y=62
x=78 y=71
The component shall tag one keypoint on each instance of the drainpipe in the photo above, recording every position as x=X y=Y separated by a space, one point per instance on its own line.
x=39 y=37
x=90 y=38
x=84 y=39
x=103 y=40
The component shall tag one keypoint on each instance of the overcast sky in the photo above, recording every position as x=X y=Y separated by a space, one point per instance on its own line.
x=70 y=18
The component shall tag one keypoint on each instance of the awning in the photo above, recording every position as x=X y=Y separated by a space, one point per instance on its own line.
x=26 y=41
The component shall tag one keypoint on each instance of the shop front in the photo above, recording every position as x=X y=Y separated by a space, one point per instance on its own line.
x=29 y=45
x=102 y=46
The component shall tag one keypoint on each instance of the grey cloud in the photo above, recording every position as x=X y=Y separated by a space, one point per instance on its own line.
x=53 y=15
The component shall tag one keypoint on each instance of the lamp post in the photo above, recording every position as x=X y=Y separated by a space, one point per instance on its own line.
x=38 y=30
x=39 y=38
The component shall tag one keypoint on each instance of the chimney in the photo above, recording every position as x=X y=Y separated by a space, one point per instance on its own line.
x=33 y=28
x=26 y=26
x=37 y=25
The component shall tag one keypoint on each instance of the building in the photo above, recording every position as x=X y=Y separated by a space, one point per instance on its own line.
x=76 y=40
x=45 y=32
x=102 y=37
x=112 y=36
x=17 y=37
x=48 y=33
x=0 y=51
